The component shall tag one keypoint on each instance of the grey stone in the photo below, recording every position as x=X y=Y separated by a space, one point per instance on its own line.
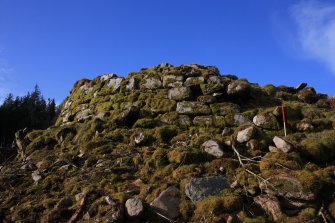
x=304 y=127
x=208 y=89
x=86 y=89
x=36 y=176
x=192 y=108
x=199 y=188
x=245 y=135
x=241 y=119
x=134 y=207
x=184 y=120
x=152 y=83
x=167 y=203
x=203 y=121
x=214 y=80
x=83 y=115
x=139 y=138
x=266 y=121
x=115 y=83
x=282 y=144
x=131 y=84
x=208 y=99
x=213 y=148
x=172 y=81
x=179 y=93
x=238 y=88
x=67 y=105
x=106 y=77
x=225 y=108
x=191 y=81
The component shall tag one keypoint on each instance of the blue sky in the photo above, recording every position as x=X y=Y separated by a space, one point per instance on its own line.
x=55 y=43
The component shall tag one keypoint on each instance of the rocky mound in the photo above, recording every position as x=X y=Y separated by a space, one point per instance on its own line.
x=176 y=144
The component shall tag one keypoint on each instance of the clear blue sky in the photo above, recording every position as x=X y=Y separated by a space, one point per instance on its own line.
x=55 y=43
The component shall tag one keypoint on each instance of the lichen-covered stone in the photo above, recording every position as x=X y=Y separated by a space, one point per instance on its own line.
x=151 y=83
x=115 y=83
x=161 y=105
x=208 y=89
x=167 y=203
x=179 y=93
x=225 y=108
x=192 y=108
x=238 y=87
x=134 y=207
x=199 y=188
x=245 y=135
x=213 y=148
x=173 y=81
x=266 y=121
x=191 y=81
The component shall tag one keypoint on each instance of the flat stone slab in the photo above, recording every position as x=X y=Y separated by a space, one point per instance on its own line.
x=199 y=188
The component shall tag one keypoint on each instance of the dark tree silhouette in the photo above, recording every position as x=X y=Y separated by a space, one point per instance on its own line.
x=31 y=111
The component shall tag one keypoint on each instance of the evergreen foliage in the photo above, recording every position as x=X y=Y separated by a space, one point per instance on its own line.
x=31 y=111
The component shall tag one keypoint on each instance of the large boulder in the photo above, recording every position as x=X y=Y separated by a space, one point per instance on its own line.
x=199 y=188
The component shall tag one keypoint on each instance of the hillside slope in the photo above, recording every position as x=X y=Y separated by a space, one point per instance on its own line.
x=183 y=144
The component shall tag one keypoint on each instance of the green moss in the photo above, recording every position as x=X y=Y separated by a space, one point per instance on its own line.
x=309 y=181
x=217 y=205
x=186 y=171
x=161 y=105
x=225 y=108
x=246 y=179
x=146 y=123
x=211 y=88
x=319 y=147
x=41 y=142
x=270 y=89
x=170 y=118
x=280 y=160
x=186 y=155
